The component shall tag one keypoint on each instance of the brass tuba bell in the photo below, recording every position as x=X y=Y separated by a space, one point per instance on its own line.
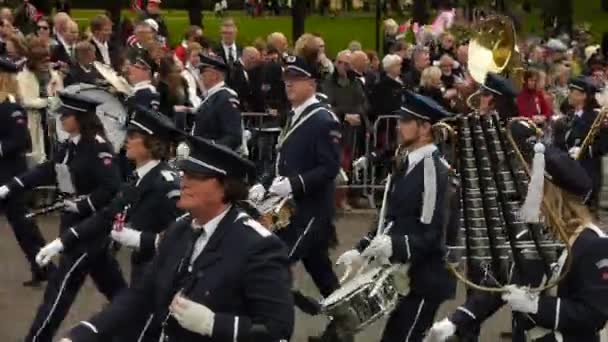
x=493 y=49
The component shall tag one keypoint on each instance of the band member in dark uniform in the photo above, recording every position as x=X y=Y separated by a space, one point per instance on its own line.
x=413 y=234
x=218 y=274
x=307 y=163
x=14 y=143
x=218 y=118
x=577 y=309
x=144 y=207
x=140 y=73
x=586 y=109
x=84 y=170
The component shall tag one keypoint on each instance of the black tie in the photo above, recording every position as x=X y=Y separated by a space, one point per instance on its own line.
x=230 y=55
x=133 y=177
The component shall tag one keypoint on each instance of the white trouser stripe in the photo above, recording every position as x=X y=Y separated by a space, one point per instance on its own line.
x=409 y=333
x=301 y=236
x=557 y=309
x=90 y=326
x=19 y=182
x=466 y=311
x=143 y=332
x=235 y=334
x=63 y=283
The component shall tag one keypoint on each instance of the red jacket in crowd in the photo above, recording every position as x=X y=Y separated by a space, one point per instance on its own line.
x=532 y=102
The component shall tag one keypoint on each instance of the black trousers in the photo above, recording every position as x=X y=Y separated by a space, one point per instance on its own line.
x=410 y=320
x=65 y=283
x=26 y=231
x=312 y=247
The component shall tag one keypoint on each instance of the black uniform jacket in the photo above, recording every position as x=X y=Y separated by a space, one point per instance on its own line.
x=92 y=168
x=422 y=245
x=144 y=95
x=82 y=74
x=149 y=206
x=241 y=275
x=14 y=140
x=309 y=155
x=580 y=308
x=219 y=118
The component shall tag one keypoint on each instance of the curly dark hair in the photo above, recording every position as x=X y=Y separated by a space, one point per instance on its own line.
x=90 y=126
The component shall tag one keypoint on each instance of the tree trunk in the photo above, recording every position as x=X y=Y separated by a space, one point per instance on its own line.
x=420 y=12
x=298 y=13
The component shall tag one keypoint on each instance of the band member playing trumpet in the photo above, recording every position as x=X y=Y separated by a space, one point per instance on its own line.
x=218 y=275
x=414 y=223
x=578 y=309
x=83 y=168
x=582 y=99
x=14 y=143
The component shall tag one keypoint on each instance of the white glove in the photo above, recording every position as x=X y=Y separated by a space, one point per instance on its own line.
x=70 y=206
x=47 y=252
x=127 y=237
x=441 y=331
x=192 y=316
x=361 y=162
x=256 y=193
x=281 y=186
x=574 y=152
x=348 y=259
x=381 y=247
x=521 y=299
x=4 y=190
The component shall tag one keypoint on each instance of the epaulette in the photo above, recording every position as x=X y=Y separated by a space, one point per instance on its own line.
x=169 y=176
x=231 y=91
x=257 y=226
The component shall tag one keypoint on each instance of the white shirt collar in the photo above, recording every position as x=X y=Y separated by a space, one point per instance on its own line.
x=579 y=113
x=100 y=44
x=211 y=226
x=215 y=88
x=65 y=45
x=143 y=170
x=297 y=111
x=75 y=139
x=143 y=85
x=417 y=155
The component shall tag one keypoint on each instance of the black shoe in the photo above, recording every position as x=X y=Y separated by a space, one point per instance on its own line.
x=39 y=276
x=307 y=304
x=332 y=333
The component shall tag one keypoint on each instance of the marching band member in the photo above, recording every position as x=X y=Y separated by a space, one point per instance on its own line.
x=14 y=144
x=218 y=274
x=143 y=208
x=578 y=309
x=308 y=161
x=83 y=167
x=140 y=72
x=415 y=224
x=218 y=118
x=582 y=99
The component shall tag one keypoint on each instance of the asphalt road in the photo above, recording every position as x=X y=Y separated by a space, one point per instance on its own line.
x=18 y=304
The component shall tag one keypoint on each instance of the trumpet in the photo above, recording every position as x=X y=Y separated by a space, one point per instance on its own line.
x=593 y=132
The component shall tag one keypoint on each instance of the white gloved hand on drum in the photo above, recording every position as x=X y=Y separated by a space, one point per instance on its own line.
x=348 y=259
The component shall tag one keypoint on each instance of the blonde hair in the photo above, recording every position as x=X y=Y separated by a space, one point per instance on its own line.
x=9 y=89
x=569 y=210
x=429 y=75
x=391 y=26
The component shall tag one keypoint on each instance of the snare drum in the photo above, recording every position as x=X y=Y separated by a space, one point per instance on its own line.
x=367 y=297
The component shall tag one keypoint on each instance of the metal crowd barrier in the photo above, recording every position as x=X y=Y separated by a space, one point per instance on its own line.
x=265 y=129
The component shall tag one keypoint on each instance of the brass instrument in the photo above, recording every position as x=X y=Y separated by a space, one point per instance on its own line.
x=493 y=49
x=275 y=212
x=593 y=132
